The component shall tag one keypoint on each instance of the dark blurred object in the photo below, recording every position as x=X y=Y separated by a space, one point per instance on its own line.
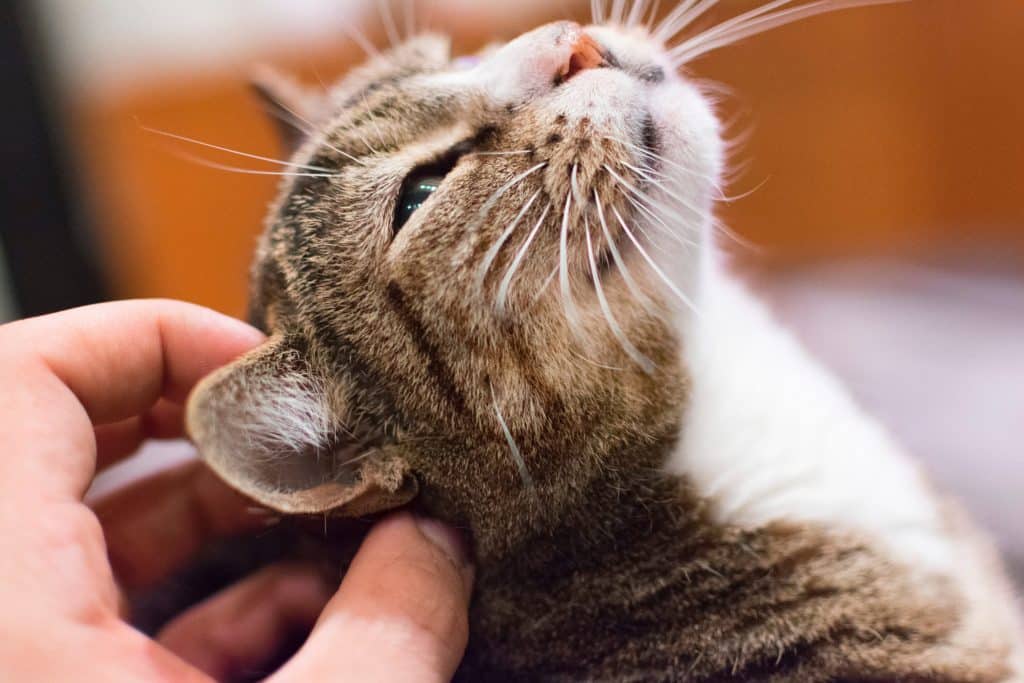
x=49 y=259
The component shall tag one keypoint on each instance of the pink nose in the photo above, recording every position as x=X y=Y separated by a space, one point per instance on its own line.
x=586 y=54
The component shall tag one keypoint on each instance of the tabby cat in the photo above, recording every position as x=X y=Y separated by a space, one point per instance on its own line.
x=490 y=284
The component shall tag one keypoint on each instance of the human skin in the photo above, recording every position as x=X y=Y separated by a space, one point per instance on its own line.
x=81 y=390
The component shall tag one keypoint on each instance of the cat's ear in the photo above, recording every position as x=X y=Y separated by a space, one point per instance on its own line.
x=275 y=431
x=292 y=106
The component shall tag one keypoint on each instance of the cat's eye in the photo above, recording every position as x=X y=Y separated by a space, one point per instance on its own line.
x=422 y=183
x=416 y=190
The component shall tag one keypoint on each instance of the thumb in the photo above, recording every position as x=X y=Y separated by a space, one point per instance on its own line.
x=401 y=613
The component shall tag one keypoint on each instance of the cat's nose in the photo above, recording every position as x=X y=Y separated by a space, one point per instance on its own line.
x=586 y=53
x=540 y=60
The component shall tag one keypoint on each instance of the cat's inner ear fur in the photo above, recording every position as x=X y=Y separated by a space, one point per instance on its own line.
x=276 y=432
x=291 y=106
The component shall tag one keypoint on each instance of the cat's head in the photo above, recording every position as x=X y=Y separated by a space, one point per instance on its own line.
x=472 y=282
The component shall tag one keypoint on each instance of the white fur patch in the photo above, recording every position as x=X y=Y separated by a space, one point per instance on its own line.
x=291 y=414
x=772 y=436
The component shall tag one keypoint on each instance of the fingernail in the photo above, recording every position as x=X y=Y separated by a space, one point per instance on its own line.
x=451 y=542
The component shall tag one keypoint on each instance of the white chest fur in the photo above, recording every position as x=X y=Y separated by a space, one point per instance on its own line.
x=772 y=436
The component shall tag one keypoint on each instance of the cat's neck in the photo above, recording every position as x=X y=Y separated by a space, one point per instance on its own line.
x=772 y=436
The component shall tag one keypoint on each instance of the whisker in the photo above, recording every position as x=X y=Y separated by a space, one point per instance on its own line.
x=388 y=19
x=312 y=130
x=500 y=192
x=547 y=283
x=648 y=201
x=373 y=120
x=354 y=160
x=683 y=202
x=568 y=305
x=654 y=266
x=506 y=282
x=517 y=456
x=360 y=39
x=637 y=12
x=280 y=112
x=597 y=11
x=620 y=262
x=246 y=171
x=730 y=24
x=595 y=363
x=618 y=10
x=634 y=353
x=495 y=249
x=651 y=155
x=682 y=16
x=410 y=19
x=651 y=205
x=649 y=24
x=257 y=157
x=500 y=154
x=660 y=225
x=758 y=21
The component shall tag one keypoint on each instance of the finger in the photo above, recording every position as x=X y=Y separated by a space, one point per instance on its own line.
x=119 y=358
x=98 y=365
x=242 y=628
x=154 y=526
x=401 y=612
x=117 y=441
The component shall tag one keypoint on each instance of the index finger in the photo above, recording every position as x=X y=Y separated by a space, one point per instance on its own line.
x=95 y=365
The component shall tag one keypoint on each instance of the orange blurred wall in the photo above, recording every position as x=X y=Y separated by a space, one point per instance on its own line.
x=887 y=130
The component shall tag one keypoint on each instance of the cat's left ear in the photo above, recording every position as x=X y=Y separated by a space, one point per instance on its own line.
x=291 y=105
x=275 y=431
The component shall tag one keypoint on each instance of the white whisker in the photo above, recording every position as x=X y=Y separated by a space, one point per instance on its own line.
x=499 y=193
x=657 y=157
x=651 y=262
x=360 y=39
x=388 y=19
x=568 y=305
x=597 y=11
x=660 y=224
x=373 y=120
x=517 y=456
x=682 y=201
x=620 y=262
x=637 y=13
x=650 y=205
x=410 y=19
x=634 y=353
x=495 y=249
x=506 y=281
x=312 y=127
x=246 y=171
x=649 y=24
x=682 y=16
x=759 y=21
x=547 y=283
x=517 y=152
x=595 y=363
x=257 y=157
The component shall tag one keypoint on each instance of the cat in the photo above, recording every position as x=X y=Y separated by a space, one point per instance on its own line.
x=491 y=286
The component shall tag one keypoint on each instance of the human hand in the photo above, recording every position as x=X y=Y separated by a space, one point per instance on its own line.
x=82 y=390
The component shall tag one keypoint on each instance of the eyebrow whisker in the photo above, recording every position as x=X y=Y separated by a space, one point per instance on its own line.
x=247 y=171
x=228 y=150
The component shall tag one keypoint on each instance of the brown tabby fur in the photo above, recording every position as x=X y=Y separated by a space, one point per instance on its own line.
x=598 y=566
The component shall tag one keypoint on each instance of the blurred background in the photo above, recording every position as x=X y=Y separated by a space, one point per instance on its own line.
x=879 y=180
